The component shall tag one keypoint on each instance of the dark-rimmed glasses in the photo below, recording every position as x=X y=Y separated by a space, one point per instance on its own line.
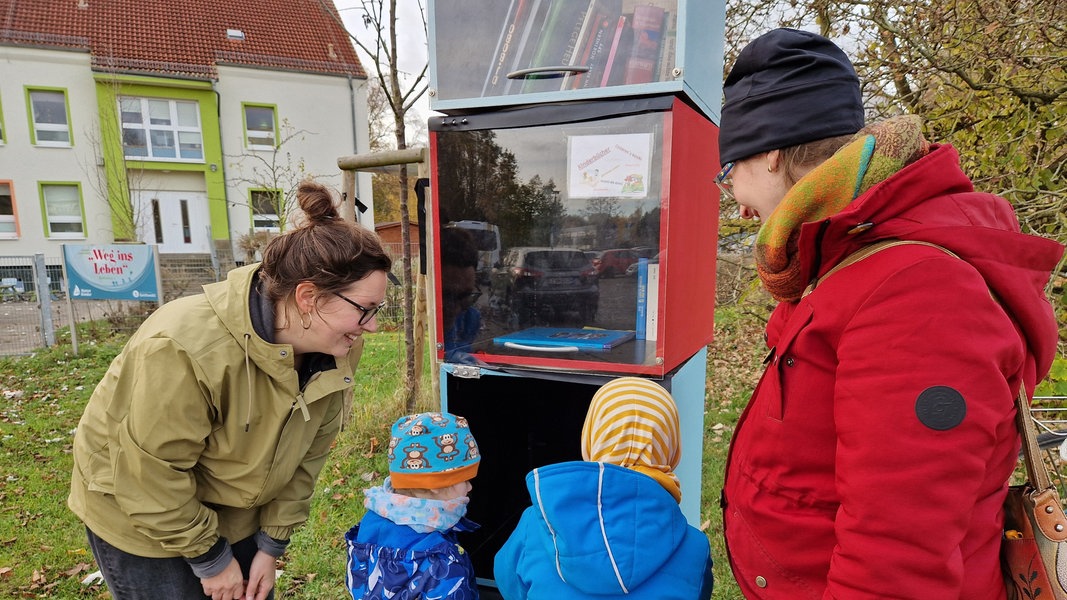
x=368 y=313
x=725 y=182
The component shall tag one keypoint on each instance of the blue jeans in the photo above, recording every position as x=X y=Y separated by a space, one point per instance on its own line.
x=132 y=577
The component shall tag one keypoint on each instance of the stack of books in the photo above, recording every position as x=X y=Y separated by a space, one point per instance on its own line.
x=577 y=44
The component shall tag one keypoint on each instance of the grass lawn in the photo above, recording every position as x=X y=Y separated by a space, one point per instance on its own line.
x=43 y=553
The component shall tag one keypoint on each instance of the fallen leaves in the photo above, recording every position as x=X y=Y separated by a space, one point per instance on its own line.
x=373 y=447
x=78 y=569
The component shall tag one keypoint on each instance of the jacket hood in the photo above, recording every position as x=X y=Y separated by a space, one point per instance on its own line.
x=932 y=200
x=612 y=528
x=229 y=301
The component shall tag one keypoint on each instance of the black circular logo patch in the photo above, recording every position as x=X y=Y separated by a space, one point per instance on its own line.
x=940 y=407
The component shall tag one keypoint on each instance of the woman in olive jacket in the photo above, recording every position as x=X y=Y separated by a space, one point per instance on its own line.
x=197 y=454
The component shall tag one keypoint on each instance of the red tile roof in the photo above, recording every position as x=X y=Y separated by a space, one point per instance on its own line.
x=186 y=38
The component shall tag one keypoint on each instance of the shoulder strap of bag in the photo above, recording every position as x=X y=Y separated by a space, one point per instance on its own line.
x=1036 y=472
x=866 y=251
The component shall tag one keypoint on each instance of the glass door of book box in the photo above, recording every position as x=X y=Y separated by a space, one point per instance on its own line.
x=485 y=53
x=548 y=227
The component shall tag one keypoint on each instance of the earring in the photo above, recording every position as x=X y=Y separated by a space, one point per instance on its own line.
x=769 y=169
x=302 y=323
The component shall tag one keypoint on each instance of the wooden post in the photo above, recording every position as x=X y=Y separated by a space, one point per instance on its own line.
x=425 y=308
x=348 y=188
x=375 y=161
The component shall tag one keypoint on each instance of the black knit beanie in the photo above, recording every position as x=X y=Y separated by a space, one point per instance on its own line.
x=788 y=87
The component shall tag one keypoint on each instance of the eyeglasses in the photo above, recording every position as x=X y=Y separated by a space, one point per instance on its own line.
x=725 y=182
x=368 y=313
x=461 y=297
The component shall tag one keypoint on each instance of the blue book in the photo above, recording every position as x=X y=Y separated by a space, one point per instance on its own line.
x=563 y=338
x=642 y=297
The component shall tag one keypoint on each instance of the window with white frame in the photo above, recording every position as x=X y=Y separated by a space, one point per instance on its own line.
x=51 y=123
x=161 y=129
x=63 y=210
x=260 y=132
x=8 y=225
x=265 y=205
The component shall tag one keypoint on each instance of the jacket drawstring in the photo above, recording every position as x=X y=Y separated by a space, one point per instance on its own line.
x=248 y=375
x=603 y=531
x=548 y=524
x=303 y=406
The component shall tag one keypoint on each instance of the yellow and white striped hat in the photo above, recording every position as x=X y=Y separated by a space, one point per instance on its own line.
x=633 y=422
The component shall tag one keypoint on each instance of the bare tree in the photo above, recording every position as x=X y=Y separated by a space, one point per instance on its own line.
x=276 y=172
x=110 y=175
x=379 y=16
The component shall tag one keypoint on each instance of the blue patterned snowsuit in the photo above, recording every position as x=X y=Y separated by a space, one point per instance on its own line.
x=402 y=564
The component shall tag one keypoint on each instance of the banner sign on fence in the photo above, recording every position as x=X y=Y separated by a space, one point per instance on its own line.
x=111 y=272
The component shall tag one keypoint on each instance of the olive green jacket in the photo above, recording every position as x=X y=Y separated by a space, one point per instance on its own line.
x=199 y=430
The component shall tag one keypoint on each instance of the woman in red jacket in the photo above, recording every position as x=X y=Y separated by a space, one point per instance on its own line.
x=872 y=459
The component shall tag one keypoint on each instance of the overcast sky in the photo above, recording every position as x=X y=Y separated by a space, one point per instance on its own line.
x=410 y=39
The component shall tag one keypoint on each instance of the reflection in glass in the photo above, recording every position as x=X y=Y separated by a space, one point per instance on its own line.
x=134 y=142
x=557 y=197
x=190 y=145
x=162 y=143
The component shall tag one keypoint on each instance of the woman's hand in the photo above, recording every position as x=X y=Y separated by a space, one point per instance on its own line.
x=260 y=576
x=227 y=585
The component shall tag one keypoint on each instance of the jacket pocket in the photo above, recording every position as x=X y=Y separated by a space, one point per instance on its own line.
x=758 y=574
x=98 y=473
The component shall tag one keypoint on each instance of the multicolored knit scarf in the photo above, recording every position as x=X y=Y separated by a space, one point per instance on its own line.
x=874 y=154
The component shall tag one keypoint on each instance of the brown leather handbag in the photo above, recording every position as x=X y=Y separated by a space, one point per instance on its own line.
x=1033 y=554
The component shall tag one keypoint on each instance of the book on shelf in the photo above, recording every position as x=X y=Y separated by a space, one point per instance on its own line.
x=599 y=46
x=563 y=23
x=577 y=53
x=670 y=45
x=509 y=37
x=647 y=25
x=574 y=40
x=652 y=302
x=564 y=338
x=620 y=47
x=529 y=22
x=595 y=13
x=642 y=298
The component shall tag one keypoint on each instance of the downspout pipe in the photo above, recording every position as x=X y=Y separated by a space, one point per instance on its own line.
x=355 y=140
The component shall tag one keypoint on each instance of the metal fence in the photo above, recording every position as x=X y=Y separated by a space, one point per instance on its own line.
x=35 y=312
x=26 y=294
x=31 y=319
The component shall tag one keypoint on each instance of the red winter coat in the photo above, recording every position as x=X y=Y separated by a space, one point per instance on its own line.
x=872 y=459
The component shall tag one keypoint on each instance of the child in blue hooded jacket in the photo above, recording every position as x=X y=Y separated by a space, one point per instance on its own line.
x=610 y=526
x=405 y=548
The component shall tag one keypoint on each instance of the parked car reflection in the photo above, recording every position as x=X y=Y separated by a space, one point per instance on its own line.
x=612 y=263
x=543 y=283
x=631 y=271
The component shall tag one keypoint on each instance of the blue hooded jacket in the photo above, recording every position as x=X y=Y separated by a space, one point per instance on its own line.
x=598 y=530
